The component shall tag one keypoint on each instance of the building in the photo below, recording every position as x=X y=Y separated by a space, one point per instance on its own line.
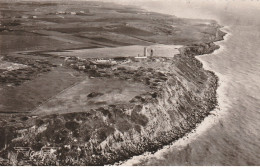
x=144 y=56
x=48 y=150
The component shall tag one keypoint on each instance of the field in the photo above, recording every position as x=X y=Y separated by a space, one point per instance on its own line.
x=91 y=94
x=47 y=31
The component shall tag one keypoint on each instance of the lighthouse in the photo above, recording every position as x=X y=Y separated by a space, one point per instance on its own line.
x=145 y=51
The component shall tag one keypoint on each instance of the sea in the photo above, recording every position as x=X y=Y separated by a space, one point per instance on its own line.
x=231 y=134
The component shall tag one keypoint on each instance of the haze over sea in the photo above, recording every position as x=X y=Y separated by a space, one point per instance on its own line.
x=231 y=135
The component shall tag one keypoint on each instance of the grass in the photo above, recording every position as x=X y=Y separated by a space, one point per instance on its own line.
x=34 y=92
x=92 y=93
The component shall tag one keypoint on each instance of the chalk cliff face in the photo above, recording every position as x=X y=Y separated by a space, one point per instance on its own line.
x=185 y=99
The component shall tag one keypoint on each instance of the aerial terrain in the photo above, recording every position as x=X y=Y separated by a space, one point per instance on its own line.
x=95 y=83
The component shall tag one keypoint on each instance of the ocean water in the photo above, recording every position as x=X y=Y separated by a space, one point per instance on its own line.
x=231 y=134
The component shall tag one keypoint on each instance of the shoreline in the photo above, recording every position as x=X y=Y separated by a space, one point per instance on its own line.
x=215 y=115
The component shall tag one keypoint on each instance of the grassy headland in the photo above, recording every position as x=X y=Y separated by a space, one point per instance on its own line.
x=66 y=110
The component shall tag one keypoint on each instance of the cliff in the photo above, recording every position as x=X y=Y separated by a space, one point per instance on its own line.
x=182 y=95
x=179 y=92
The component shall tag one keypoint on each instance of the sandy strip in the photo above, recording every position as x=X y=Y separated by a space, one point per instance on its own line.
x=218 y=113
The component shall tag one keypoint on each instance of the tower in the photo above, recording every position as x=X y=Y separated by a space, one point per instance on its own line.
x=151 y=53
x=145 y=51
